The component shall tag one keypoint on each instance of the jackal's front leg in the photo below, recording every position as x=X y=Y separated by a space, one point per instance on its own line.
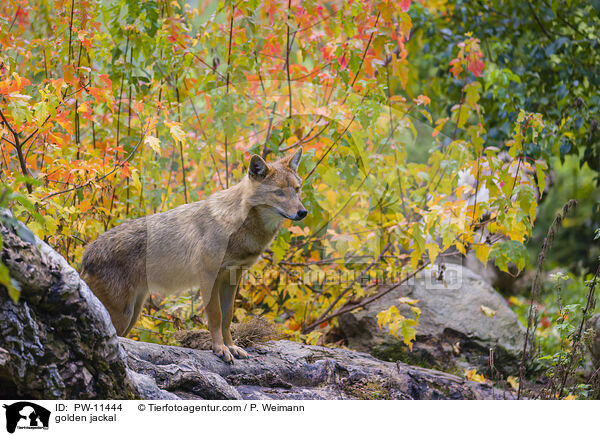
x=227 y=293
x=213 y=313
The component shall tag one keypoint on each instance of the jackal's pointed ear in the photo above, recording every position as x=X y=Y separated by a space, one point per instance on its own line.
x=258 y=167
x=294 y=160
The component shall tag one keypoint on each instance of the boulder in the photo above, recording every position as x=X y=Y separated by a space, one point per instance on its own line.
x=57 y=340
x=464 y=323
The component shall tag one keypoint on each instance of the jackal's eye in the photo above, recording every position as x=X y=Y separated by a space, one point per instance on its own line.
x=279 y=192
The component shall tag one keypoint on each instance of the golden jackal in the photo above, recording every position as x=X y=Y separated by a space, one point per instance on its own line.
x=201 y=245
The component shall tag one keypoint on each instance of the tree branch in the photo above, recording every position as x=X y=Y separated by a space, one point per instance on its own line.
x=18 y=146
x=367 y=300
x=104 y=176
x=539 y=23
x=227 y=92
x=342 y=294
x=287 y=60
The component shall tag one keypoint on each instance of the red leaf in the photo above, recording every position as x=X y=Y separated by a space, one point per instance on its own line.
x=326 y=52
x=476 y=67
x=343 y=61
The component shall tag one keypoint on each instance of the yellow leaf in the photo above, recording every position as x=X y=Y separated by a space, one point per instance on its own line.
x=460 y=247
x=434 y=250
x=541 y=176
x=416 y=311
x=135 y=178
x=58 y=84
x=83 y=108
x=415 y=258
x=385 y=316
x=408 y=332
x=482 y=251
x=240 y=314
x=146 y=322
x=153 y=142
x=472 y=375
x=313 y=337
x=296 y=230
x=439 y=125
x=513 y=382
x=406 y=300
x=68 y=73
x=570 y=397
x=331 y=196
x=489 y=312
x=176 y=131
x=515 y=301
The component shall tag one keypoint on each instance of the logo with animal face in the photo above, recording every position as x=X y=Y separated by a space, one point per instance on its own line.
x=26 y=415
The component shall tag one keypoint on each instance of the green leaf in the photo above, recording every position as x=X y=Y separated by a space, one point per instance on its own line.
x=505 y=252
x=14 y=288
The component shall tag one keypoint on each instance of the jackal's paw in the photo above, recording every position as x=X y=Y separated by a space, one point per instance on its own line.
x=223 y=352
x=238 y=352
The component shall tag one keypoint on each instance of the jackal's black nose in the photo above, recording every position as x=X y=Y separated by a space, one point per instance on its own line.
x=301 y=214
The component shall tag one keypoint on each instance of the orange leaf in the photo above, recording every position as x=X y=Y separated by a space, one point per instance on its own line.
x=15 y=85
x=97 y=93
x=106 y=80
x=69 y=74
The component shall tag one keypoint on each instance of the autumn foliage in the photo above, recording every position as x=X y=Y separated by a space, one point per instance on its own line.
x=114 y=110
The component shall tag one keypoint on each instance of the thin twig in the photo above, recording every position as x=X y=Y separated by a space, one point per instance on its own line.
x=367 y=300
x=227 y=92
x=14 y=19
x=287 y=60
x=536 y=285
x=590 y=303
x=539 y=23
x=18 y=147
x=71 y=31
x=345 y=291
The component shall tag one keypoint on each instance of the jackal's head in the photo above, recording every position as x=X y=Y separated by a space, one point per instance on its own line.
x=277 y=185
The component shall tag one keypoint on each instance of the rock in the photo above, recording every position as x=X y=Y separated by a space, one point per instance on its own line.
x=57 y=342
x=453 y=333
x=290 y=370
x=147 y=388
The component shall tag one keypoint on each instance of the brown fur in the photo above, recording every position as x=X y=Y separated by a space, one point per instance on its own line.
x=198 y=245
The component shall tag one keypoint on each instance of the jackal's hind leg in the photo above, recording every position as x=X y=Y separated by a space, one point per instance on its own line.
x=118 y=303
x=137 y=309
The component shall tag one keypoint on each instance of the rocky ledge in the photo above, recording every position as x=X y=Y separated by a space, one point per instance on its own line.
x=290 y=370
